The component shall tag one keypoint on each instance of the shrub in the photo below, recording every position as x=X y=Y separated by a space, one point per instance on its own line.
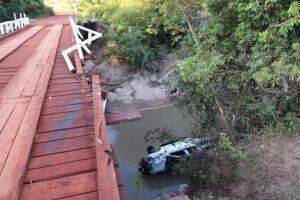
x=244 y=71
x=32 y=8
x=213 y=170
x=140 y=26
x=130 y=47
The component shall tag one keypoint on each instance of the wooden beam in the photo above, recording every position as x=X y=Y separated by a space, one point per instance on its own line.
x=61 y=187
x=12 y=175
x=107 y=183
x=116 y=118
x=8 y=47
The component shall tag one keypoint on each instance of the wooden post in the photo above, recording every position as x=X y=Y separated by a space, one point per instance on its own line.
x=107 y=182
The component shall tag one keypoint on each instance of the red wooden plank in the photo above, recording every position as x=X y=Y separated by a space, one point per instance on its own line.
x=63 y=87
x=17 y=84
x=9 y=69
x=63 y=93
x=70 y=96
x=87 y=196
x=67 y=108
x=79 y=69
x=60 y=72
x=59 y=146
x=65 y=116
x=63 y=134
x=14 y=43
x=45 y=77
x=59 y=76
x=15 y=166
x=61 y=158
x=122 y=117
x=60 y=81
x=61 y=170
x=65 y=124
x=70 y=101
x=4 y=79
x=107 y=183
x=6 y=73
x=8 y=133
x=61 y=187
x=6 y=110
x=10 y=63
x=33 y=81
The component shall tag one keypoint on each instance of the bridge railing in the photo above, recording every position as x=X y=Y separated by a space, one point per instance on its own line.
x=79 y=44
x=10 y=26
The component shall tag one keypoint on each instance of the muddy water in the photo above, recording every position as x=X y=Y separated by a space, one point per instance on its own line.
x=129 y=144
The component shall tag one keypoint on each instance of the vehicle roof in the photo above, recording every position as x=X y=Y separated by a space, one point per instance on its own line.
x=174 y=147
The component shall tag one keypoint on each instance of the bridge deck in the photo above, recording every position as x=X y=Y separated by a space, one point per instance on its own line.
x=47 y=121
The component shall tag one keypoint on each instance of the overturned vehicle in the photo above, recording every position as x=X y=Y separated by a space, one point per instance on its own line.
x=169 y=154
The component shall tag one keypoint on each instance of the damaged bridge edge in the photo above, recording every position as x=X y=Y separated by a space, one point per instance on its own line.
x=110 y=184
x=107 y=179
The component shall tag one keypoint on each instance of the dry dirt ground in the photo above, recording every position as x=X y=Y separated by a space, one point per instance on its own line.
x=140 y=90
x=273 y=172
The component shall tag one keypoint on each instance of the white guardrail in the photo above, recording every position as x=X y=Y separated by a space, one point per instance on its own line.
x=10 y=26
x=92 y=35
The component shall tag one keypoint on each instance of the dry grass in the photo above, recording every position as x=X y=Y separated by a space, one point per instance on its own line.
x=272 y=170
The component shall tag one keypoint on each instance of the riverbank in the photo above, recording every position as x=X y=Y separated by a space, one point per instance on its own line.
x=130 y=90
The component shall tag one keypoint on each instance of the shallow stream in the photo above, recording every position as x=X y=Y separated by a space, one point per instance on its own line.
x=129 y=144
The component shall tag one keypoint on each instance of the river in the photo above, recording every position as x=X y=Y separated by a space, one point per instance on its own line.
x=129 y=144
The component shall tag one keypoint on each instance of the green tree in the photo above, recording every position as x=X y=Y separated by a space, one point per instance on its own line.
x=32 y=8
x=244 y=73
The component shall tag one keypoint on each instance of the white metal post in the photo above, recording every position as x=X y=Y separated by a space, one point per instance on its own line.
x=92 y=35
x=10 y=26
x=2 y=29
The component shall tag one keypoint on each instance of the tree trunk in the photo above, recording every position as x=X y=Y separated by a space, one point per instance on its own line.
x=220 y=110
x=190 y=26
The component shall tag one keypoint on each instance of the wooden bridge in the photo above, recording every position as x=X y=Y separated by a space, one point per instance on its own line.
x=53 y=140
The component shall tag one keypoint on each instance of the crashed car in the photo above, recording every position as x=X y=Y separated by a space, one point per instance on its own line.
x=169 y=154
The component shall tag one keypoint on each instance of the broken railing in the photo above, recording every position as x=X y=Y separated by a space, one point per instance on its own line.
x=79 y=42
x=10 y=26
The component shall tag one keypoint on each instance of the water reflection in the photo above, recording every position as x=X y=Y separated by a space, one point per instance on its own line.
x=129 y=144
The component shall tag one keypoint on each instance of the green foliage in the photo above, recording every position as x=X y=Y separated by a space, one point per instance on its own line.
x=32 y=8
x=246 y=64
x=214 y=169
x=140 y=26
x=130 y=47
x=240 y=71
x=138 y=185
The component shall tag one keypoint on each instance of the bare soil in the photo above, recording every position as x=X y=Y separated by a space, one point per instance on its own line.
x=137 y=90
x=274 y=170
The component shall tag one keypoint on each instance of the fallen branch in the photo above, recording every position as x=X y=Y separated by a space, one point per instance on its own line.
x=221 y=110
x=112 y=87
x=119 y=82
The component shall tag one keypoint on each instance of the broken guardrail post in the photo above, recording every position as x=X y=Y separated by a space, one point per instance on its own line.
x=79 y=44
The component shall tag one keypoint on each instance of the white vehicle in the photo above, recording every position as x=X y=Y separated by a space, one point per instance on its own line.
x=167 y=156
